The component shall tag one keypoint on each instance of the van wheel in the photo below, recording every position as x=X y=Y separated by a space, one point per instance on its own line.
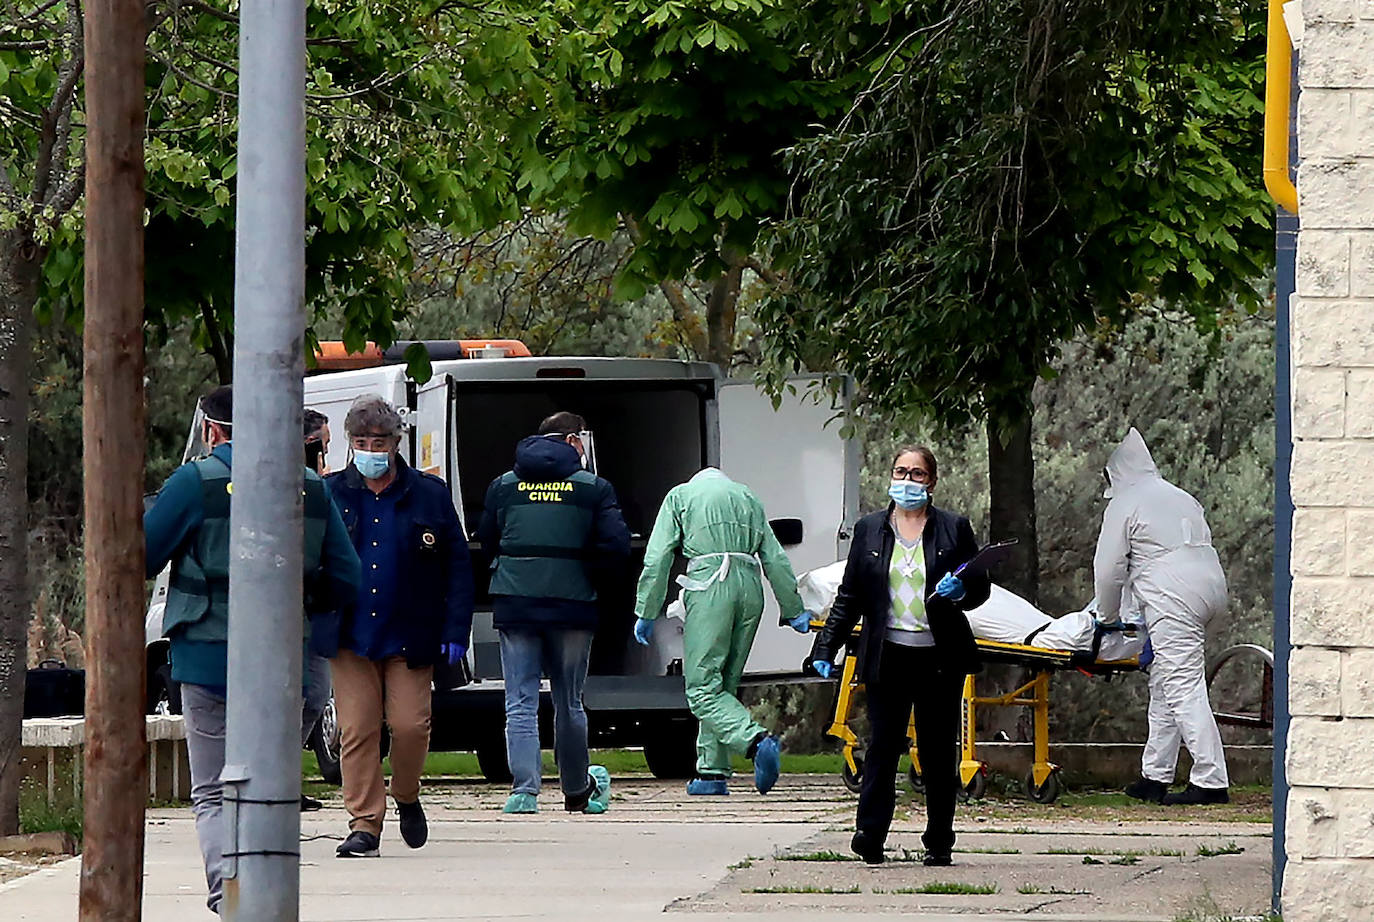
x=670 y=748
x=491 y=761
x=164 y=693
x=325 y=742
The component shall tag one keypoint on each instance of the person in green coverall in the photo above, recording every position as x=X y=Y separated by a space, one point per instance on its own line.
x=720 y=527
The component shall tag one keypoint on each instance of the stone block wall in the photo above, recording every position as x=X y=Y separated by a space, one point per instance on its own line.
x=1330 y=757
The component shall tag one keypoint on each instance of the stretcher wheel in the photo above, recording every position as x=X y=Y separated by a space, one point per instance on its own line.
x=853 y=779
x=918 y=784
x=1046 y=793
x=976 y=788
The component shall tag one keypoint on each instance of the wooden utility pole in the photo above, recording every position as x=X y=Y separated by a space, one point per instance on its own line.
x=116 y=769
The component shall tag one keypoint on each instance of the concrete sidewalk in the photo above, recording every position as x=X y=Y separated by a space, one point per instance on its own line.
x=741 y=857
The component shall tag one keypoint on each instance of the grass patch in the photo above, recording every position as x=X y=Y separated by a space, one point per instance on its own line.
x=948 y=888
x=64 y=814
x=1206 y=910
x=1209 y=851
x=617 y=762
x=741 y=864
x=826 y=855
x=1036 y=889
x=1115 y=853
x=806 y=889
x=989 y=851
x=1013 y=831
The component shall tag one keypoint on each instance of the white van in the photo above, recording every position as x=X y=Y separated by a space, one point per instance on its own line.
x=655 y=423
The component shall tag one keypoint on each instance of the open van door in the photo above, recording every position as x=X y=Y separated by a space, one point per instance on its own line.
x=795 y=460
x=433 y=446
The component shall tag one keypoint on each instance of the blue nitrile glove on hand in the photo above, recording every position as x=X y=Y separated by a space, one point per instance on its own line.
x=453 y=652
x=951 y=587
x=823 y=667
x=644 y=630
x=802 y=623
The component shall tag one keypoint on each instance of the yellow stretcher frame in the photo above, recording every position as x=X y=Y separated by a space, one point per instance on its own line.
x=1042 y=781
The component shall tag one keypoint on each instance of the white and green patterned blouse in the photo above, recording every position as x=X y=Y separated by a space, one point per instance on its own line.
x=906 y=580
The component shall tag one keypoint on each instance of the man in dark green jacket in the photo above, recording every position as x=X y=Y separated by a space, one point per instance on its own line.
x=188 y=527
x=551 y=530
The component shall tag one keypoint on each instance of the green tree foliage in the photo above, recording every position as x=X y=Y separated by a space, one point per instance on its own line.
x=531 y=280
x=677 y=139
x=1013 y=171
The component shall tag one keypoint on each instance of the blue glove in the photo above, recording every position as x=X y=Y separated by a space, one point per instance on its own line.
x=644 y=629
x=951 y=587
x=453 y=652
x=823 y=667
x=802 y=623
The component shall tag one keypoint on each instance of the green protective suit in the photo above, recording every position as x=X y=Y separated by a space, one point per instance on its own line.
x=721 y=528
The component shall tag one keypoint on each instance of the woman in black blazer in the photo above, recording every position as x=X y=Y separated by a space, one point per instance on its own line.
x=915 y=649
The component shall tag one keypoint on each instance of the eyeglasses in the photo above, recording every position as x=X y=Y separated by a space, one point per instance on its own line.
x=918 y=474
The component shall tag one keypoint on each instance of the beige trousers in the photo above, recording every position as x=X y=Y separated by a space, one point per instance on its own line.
x=366 y=692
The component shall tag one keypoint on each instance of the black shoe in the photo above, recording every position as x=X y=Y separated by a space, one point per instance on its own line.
x=861 y=847
x=1152 y=792
x=310 y=804
x=414 y=829
x=360 y=844
x=1193 y=796
x=937 y=860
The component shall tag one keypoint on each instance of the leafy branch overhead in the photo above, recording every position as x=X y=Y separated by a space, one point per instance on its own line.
x=1011 y=173
x=416 y=113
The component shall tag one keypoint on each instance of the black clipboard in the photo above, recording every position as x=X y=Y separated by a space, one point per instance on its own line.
x=989 y=556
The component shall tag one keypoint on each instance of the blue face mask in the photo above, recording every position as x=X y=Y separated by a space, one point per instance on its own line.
x=908 y=495
x=372 y=464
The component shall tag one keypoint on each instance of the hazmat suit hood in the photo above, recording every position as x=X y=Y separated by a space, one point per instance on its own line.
x=542 y=458
x=1130 y=464
x=708 y=473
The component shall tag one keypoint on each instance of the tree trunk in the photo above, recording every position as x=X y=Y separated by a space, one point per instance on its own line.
x=722 y=310
x=221 y=347
x=20 y=261
x=1011 y=476
x=113 y=422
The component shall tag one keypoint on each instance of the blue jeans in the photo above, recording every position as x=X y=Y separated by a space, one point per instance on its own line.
x=562 y=655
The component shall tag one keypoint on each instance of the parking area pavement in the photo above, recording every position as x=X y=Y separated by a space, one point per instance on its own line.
x=784 y=856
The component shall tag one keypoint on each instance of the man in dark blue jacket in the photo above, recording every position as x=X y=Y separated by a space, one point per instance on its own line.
x=552 y=530
x=413 y=608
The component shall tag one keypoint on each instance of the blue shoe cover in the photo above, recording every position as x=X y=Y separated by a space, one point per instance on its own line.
x=600 y=800
x=521 y=803
x=767 y=764
x=710 y=787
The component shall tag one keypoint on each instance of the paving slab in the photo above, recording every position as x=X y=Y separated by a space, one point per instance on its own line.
x=732 y=858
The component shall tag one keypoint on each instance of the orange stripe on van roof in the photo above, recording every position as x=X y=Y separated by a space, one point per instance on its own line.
x=332 y=356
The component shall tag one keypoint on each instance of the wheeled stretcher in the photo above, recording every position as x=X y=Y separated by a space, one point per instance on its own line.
x=1042 y=781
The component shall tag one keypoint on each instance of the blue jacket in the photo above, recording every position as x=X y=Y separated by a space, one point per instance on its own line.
x=603 y=539
x=434 y=594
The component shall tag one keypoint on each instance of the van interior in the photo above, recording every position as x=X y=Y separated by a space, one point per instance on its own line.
x=649 y=437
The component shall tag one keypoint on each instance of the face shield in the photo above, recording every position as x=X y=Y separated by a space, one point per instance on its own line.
x=195 y=440
x=588 y=449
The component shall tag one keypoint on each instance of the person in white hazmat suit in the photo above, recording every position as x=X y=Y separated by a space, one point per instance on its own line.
x=1155 y=548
